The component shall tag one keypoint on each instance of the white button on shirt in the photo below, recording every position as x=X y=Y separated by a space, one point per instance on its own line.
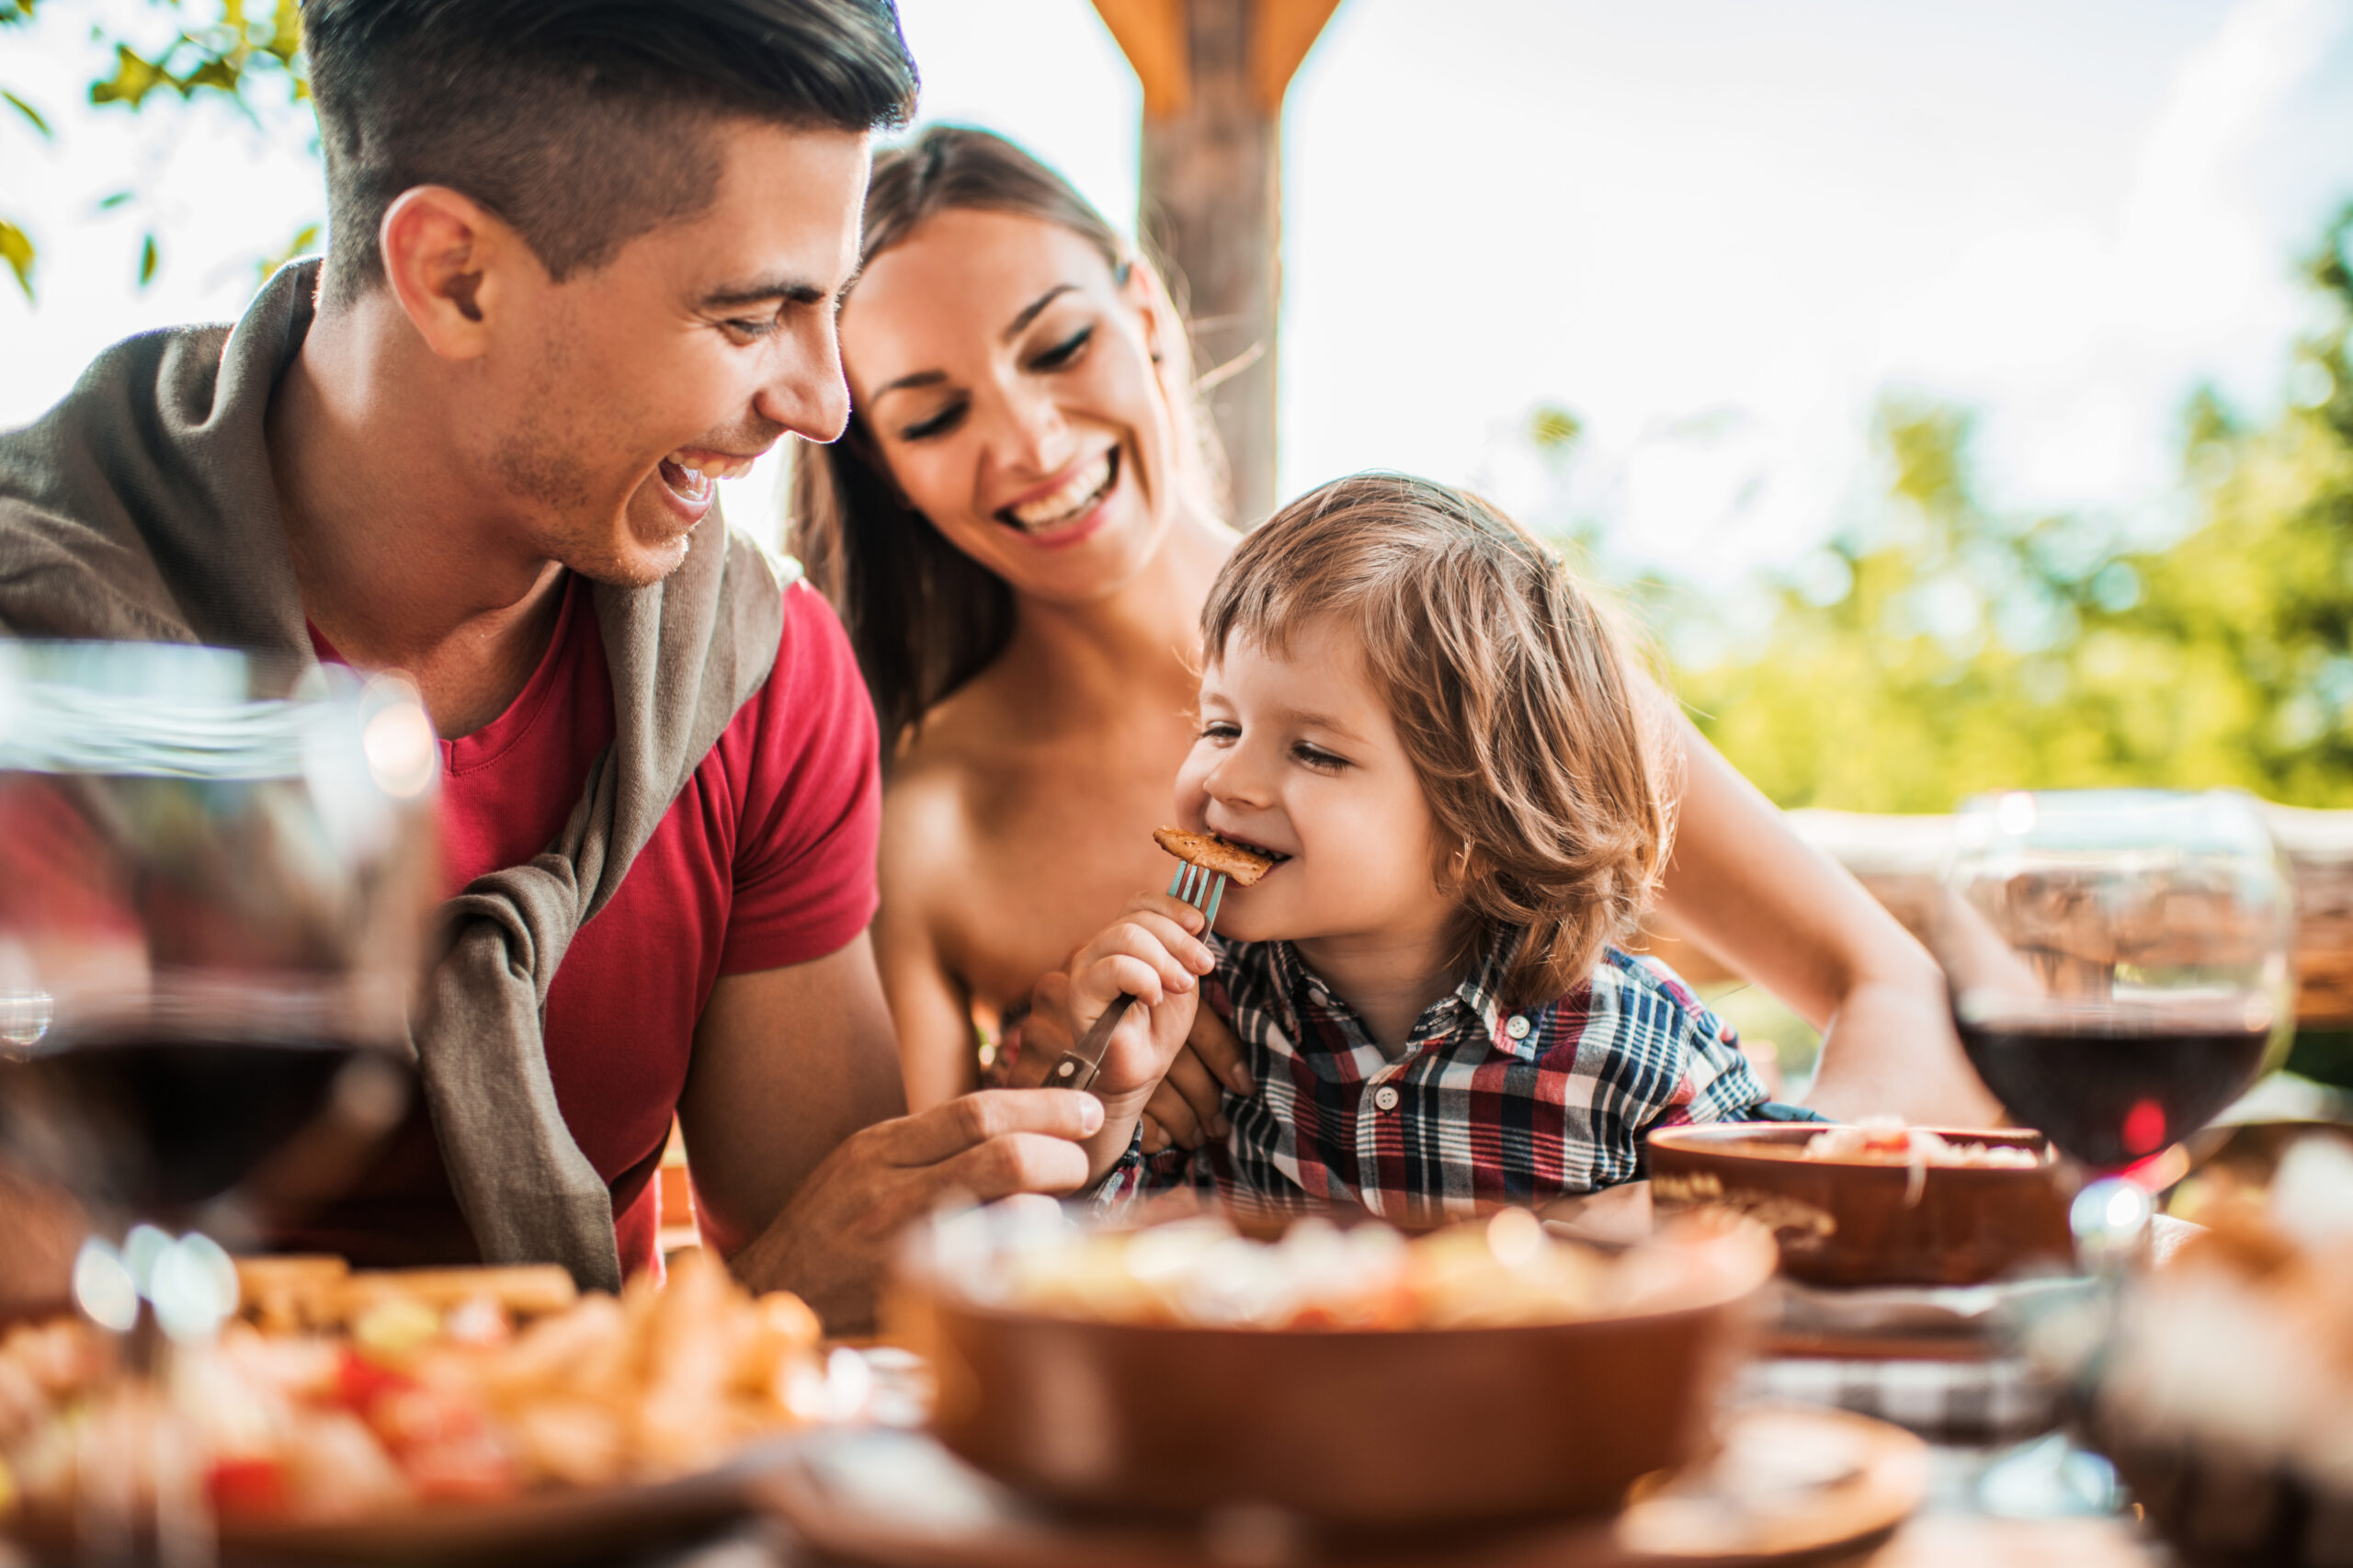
x=1516 y=1026
x=1385 y=1098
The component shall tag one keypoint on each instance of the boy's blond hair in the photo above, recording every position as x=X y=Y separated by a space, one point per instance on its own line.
x=1510 y=688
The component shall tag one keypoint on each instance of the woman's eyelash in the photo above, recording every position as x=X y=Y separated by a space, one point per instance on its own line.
x=1062 y=353
x=1053 y=359
x=938 y=424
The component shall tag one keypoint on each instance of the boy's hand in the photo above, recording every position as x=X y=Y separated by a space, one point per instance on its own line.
x=1150 y=954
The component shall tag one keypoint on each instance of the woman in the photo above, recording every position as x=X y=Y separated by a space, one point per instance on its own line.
x=1019 y=530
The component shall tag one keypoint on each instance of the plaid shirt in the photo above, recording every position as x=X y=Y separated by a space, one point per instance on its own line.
x=1485 y=1108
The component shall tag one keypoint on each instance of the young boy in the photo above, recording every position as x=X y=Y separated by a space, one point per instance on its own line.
x=1409 y=704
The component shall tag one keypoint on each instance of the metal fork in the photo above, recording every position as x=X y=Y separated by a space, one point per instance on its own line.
x=1079 y=1064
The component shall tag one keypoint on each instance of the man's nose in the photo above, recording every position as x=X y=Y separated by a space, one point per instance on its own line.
x=806 y=390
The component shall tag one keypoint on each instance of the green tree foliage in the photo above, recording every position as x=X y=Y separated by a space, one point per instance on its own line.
x=1945 y=648
x=223 y=48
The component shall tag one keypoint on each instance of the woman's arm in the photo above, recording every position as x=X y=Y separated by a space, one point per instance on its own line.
x=1749 y=890
x=930 y=1008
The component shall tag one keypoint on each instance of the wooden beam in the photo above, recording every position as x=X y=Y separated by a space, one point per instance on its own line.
x=1285 y=30
x=1900 y=858
x=1214 y=73
x=1152 y=34
x=1211 y=208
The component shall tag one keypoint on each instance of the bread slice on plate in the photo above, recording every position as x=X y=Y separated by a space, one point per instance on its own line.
x=1213 y=853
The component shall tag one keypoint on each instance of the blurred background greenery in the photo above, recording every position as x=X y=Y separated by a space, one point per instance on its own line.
x=1942 y=647
x=244 y=55
x=1939 y=646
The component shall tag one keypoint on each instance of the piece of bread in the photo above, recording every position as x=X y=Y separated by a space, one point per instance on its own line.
x=527 y=1289
x=1213 y=853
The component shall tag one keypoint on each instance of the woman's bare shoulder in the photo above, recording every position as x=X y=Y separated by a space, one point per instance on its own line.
x=935 y=801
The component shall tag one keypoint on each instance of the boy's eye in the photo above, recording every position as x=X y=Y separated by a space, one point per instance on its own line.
x=940 y=424
x=1063 y=353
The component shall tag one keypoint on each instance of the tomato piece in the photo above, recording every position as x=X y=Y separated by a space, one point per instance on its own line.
x=360 y=1383
x=246 y=1488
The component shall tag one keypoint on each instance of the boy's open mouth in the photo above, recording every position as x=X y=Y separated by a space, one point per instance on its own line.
x=1068 y=502
x=1276 y=855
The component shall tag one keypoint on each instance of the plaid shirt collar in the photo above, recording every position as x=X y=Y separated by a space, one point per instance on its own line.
x=1301 y=999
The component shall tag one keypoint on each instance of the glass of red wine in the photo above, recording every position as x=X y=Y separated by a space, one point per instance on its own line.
x=216 y=875
x=2119 y=968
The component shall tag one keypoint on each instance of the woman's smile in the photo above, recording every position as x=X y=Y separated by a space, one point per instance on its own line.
x=1069 y=509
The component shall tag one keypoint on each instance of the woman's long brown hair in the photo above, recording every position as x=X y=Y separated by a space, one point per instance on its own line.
x=924 y=617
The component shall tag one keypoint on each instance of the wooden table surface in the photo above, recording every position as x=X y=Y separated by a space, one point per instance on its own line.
x=1957 y=1541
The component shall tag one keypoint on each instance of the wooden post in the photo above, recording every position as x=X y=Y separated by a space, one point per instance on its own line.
x=1214 y=73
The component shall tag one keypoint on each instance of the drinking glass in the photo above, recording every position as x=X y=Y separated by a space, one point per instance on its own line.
x=216 y=872
x=2119 y=968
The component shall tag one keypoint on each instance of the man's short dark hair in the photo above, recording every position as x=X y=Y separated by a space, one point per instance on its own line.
x=584 y=123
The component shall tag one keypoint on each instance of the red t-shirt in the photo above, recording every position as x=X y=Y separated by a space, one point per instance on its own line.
x=765 y=858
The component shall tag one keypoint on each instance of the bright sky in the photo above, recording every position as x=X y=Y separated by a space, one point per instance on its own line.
x=1715 y=230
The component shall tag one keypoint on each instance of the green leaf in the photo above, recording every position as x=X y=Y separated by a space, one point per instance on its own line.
x=134 y=77
x=17 y=250
x=1554 y=429
x=148 y=256
x=304 y=240
x=113 y=199
x=27 y=111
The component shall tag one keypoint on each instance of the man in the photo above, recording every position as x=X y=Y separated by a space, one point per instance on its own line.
x=585 y=257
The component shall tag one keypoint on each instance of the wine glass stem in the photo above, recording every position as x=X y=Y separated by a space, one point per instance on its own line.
x=2110 y=1218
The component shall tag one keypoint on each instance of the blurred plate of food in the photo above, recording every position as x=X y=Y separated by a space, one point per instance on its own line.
x=1349 y=1374
x=2221 y=1384
x=1875 y=1203
x=489 y=1414
x=1785 y=1484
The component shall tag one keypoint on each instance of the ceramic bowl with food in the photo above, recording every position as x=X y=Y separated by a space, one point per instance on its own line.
x=1853 y=1206
x=1484 y=1372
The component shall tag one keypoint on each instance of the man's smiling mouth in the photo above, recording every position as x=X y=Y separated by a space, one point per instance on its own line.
x=1068 y=500
x=689 y=471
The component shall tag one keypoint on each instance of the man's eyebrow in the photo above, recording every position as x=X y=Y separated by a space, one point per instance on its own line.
x=730 y=297
x=1029 y=312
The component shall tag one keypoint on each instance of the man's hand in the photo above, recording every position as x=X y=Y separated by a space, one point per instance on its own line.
x=831 y=1242
x=1188 y=1107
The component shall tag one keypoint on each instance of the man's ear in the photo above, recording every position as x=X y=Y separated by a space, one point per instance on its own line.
x=451 y=263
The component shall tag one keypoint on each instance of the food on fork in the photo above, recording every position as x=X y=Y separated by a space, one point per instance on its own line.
x=1215 y=852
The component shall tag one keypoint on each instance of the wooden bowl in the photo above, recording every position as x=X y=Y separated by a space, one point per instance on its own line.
x=1359 y=1428
x=1843 y=1223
